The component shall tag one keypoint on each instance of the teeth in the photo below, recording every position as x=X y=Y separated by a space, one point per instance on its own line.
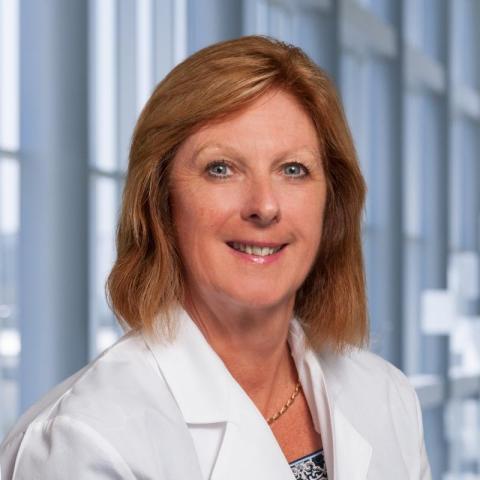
x=251 y=249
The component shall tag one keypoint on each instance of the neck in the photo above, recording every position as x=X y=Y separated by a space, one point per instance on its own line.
x=252 y=343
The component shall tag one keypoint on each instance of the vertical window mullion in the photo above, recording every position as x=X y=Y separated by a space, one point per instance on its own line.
x=106 y=159
x=144 y=51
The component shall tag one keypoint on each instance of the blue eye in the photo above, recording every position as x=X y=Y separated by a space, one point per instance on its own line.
x=218 y=169
x=296 y=170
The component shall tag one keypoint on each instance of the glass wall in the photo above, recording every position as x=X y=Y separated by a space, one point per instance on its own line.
x=9 y=211
x=132 y=46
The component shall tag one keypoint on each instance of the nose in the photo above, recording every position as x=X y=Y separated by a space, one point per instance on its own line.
x=261 y=205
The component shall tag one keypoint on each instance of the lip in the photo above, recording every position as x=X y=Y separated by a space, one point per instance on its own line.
x=258 y=260
x=257 y=244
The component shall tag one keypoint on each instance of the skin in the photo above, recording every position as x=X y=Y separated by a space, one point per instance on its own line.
x=267 y=184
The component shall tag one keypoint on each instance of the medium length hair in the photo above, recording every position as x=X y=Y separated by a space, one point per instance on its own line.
x=146 y=283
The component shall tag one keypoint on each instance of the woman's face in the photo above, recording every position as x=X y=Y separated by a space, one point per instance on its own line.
x=242 y=187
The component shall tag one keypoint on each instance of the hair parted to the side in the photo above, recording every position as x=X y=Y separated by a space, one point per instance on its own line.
x=145 y=285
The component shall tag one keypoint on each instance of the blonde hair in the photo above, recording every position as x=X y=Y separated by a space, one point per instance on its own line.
x=146 y=283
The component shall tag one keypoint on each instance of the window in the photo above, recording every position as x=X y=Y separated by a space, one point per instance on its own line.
x=123 y=75
x=9 y=212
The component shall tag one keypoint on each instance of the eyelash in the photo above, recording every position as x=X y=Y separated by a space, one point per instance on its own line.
x=226 y=164
x=301 y=165
x=215 y=164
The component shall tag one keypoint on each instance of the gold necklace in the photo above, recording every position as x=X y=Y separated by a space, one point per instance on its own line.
x=286 y=406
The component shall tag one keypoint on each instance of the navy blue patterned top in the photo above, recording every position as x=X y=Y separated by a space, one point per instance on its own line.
x=310 y=467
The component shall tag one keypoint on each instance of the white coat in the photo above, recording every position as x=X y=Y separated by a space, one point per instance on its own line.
x=149 y=410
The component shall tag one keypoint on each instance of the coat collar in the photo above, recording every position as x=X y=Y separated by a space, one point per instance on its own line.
x=206 y=393
x=190 y=365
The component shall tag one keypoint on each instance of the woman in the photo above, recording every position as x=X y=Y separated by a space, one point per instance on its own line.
x=240 y=279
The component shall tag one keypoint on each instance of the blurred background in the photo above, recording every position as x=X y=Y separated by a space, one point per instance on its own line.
x=74 y=75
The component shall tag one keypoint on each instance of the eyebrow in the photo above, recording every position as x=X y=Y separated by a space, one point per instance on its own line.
x=211 y=145
x=231 y=150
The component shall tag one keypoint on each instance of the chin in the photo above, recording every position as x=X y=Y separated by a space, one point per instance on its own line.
x=258 y=300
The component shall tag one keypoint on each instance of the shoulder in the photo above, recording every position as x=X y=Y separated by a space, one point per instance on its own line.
x=97 y=411
x=113 y=387
x=381 y=404
x=111 y=379
x=362 y=369
x=366 y=386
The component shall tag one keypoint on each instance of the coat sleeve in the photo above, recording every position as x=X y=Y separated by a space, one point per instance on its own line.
x=67 y=448
x=425 y=473
x=406 y=391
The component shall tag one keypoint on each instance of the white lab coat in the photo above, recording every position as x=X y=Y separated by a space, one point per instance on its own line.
x=148 y=410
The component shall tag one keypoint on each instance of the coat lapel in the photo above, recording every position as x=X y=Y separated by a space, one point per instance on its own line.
x=352 y=451
x=230 y=436
x=347 y=453
x=249 y=448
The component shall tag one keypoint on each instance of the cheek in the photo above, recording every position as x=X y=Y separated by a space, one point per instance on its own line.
x=198 y=214
x=306 y=212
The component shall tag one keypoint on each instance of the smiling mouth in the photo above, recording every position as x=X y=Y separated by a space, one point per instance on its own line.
x=255 y=250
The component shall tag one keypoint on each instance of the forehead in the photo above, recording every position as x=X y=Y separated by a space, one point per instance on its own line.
x=276 y=121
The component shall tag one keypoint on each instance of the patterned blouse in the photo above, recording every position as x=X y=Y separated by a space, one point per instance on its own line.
x=310 y=467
